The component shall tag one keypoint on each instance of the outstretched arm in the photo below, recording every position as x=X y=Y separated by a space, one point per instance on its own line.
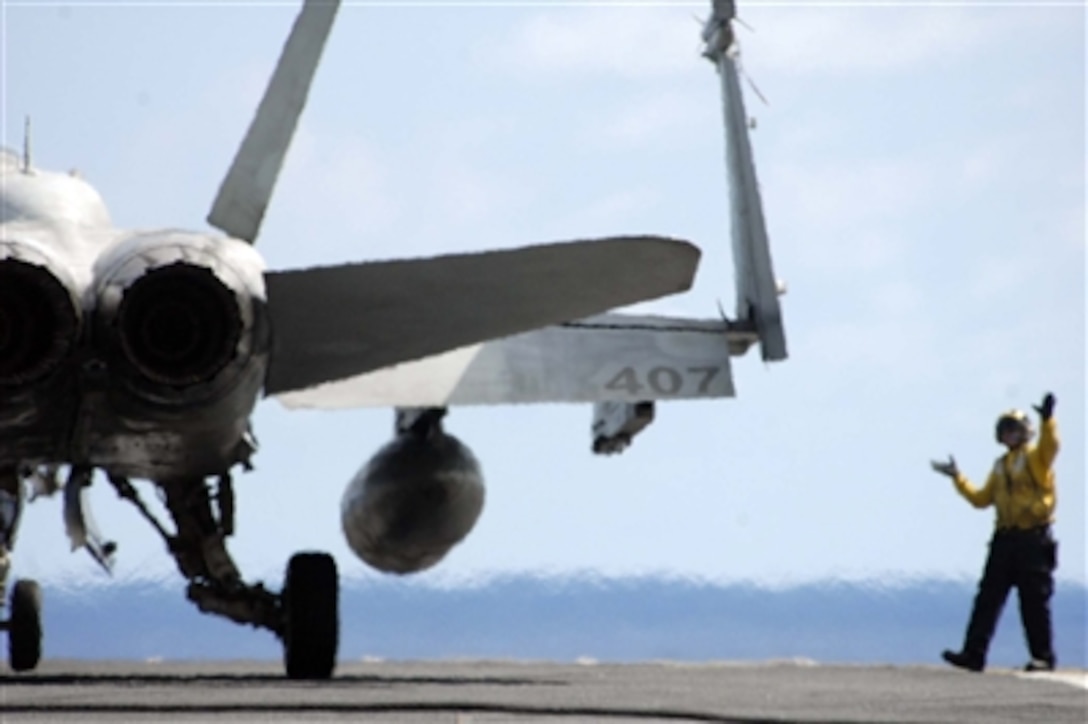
x=980 y=498
x=1047 y=449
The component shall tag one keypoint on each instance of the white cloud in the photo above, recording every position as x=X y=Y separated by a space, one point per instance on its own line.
x=1001 y=279
x=883 y=327
x=872 y=40
x=897 y=349
x=842 y=193
x=464 y=193
x=339 y=175
x=980 y=168
x=615 y=210
x=597 y=215
x=173 y=142
x=462 y=179
x=668 y=117
x=634 y=42
x=1069 y=230
x=397 y=200
x=899 y=300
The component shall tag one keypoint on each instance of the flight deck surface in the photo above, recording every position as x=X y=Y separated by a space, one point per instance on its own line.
x=472 y=692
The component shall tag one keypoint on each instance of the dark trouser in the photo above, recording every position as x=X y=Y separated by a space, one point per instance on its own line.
x=1025 y=559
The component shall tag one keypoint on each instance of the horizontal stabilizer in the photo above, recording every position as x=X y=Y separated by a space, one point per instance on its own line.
x=609 y=357
x=330 y=323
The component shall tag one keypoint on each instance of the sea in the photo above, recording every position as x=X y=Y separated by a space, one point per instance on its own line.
x=573 y=618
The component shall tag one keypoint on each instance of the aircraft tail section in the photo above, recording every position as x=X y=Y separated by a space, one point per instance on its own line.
x=757 y=288
x=611 y=357
x=335 y=322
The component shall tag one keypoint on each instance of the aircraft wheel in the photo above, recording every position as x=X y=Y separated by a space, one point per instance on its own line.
x=311 y=608
x=25 y=627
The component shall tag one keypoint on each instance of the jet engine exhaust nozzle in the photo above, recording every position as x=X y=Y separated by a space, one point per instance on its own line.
x=39 y=322
x=179 y=324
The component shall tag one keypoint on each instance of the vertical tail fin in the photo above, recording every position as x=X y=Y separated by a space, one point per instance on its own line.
x=757 y=287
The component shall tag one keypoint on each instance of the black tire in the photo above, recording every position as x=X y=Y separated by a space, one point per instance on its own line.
x=25 y=632
x=311 y=605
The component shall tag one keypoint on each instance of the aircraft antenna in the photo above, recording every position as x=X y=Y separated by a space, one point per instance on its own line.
x=26 y=145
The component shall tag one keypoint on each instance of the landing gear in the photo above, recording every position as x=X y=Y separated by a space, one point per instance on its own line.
x=25 y=626
x=311 y=616
x=305 y=616
x=24 y=622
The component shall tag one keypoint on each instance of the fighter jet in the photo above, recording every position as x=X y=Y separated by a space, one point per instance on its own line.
x=140 y=355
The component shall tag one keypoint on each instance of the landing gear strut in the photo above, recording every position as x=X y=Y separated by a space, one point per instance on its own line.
x=24 y=622
x=305 y=616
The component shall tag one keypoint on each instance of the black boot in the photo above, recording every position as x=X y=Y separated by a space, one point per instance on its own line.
x=963 y=660
x=1040 y=665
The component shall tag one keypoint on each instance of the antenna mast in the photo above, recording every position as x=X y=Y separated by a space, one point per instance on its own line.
x=26 y=145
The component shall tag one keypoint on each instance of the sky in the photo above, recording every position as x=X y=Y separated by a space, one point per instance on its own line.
x=923 y=177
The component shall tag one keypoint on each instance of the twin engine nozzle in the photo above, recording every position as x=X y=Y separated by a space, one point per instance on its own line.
x=40 y=319
x=178 y=325
x=161 y=315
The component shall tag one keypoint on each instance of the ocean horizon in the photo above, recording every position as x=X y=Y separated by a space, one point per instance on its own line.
x=533 y=617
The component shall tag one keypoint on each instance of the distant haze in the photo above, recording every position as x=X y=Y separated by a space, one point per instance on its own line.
x=563 y=619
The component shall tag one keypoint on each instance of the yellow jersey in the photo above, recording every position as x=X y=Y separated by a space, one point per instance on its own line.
x=1021 y=483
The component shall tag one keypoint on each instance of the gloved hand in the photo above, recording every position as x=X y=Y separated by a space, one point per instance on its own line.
x=1046 y=408
x=949 y=468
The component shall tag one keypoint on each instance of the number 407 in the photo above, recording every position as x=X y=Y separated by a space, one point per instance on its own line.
x=663 y=380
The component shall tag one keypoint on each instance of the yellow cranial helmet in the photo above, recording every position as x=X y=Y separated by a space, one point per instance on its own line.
x=1012 y=420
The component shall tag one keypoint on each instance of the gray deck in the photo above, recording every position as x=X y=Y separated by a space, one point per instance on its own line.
x=467 y=692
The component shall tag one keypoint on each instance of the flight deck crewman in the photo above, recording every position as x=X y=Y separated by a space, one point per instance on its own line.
x=1023 y=552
